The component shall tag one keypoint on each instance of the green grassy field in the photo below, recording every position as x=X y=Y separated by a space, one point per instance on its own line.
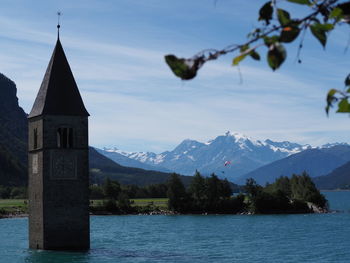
x=13 y=205
x=157 y=202
x=161 y=203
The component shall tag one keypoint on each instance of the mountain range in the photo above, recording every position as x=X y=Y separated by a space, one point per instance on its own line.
x=238 y=157
x=232 y=155
x=240 y=153
x=102 y=167
x=339 y=178
x=126 y=161
x=316 y=162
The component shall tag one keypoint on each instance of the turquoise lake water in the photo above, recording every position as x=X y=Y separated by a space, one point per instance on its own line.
x=211 y=238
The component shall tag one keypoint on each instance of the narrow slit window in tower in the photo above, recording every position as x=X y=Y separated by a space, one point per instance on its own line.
x=70 y=137
x=59 y=137
x=35 y=139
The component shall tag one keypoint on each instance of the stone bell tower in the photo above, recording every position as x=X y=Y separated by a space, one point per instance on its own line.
x=58 y=162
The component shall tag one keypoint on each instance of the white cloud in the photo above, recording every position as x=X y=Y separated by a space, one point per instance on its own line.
x=137 y=104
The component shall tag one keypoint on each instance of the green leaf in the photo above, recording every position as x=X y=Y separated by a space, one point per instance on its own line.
x=254 y=55
x=343 y=106
x=244 y=48
x=238 y=59
x=302 y=2
x=336 y=14
x=327 y=27
x=245 y=51
x=276 y=56
x=185 y=69
x=345 y=7
x=265 y=12
x=319 y=31
x=347 y=81
x=254 y=33
x=283 y=17
x=271 y=40
x=330 y=99
x=331 y=94
x=289 y=34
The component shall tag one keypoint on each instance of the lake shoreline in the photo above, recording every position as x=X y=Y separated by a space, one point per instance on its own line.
x=336 y=190
x=169 y=213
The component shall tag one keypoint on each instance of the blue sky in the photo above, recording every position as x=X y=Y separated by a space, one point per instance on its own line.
x=116 y=49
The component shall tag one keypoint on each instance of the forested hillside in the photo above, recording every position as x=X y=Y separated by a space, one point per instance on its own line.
x=316 y=162
x=13 y=135
x=337 y=179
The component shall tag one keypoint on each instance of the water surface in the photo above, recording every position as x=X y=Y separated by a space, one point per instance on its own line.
x=211 y=238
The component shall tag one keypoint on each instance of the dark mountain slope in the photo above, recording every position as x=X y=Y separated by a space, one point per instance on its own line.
x=12 y=172
x=102 y=167
x=315 y=162
x=13 y=136
x=337 y=179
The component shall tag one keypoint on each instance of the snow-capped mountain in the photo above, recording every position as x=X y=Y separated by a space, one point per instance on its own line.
x=122 y=158
x=330 y=145
x=241 y=154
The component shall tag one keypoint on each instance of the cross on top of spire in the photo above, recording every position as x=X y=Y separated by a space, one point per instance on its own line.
x=59 y=13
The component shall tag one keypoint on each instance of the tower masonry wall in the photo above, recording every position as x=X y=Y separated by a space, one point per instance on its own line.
x=53 y=123
x=59 y=184
x=35 y=196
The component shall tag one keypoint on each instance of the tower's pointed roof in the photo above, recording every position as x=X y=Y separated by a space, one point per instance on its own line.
x=58 y=94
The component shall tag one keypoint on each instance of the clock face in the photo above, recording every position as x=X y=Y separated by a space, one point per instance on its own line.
x=63 y=165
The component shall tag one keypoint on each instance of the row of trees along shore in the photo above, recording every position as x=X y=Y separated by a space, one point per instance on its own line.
x=204 y=195
x=211 y=195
